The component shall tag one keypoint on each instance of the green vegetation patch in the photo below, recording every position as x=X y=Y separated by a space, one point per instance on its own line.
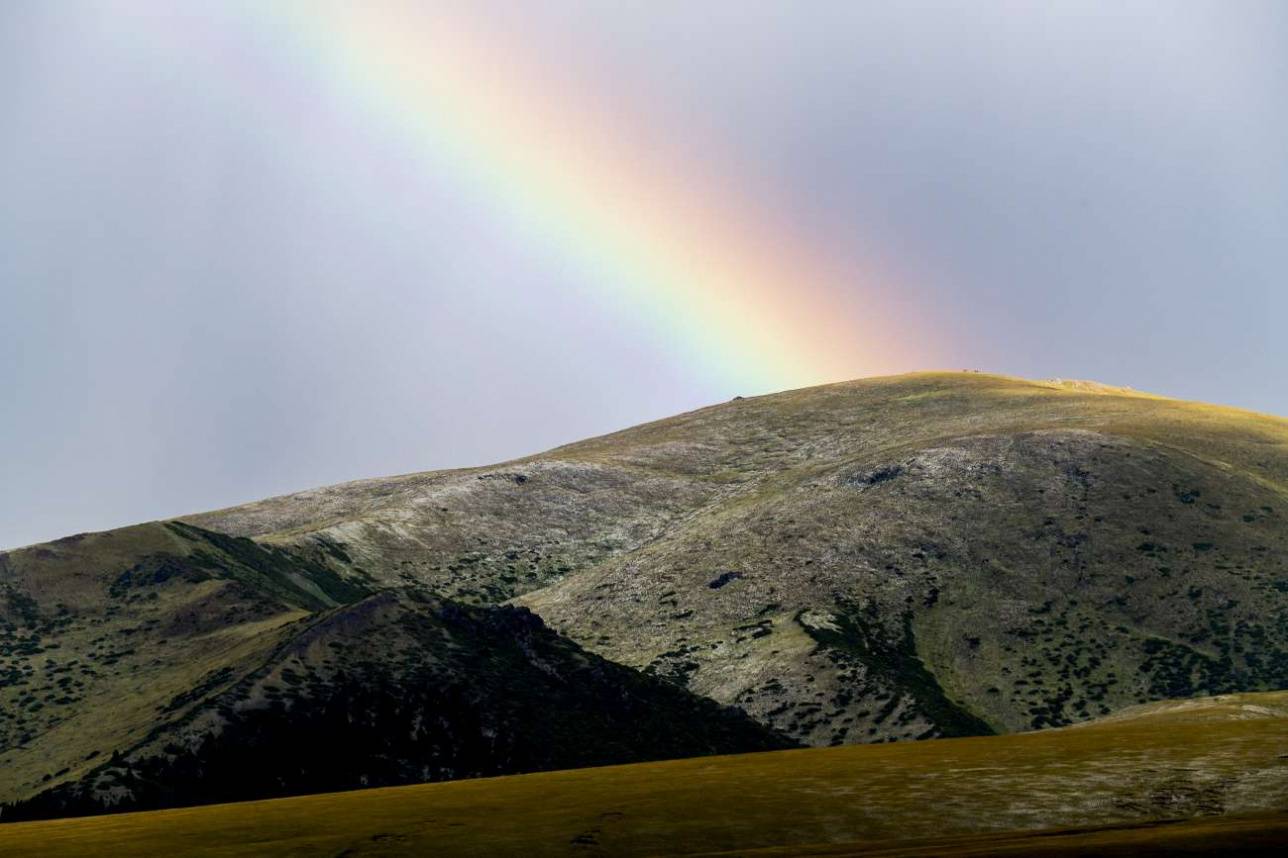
x=272 y=570
x=858 y=634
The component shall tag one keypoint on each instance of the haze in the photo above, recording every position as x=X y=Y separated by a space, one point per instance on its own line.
x=221 y=279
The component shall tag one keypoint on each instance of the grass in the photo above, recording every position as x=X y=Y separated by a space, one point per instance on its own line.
x=1259 y=834
x=1104 y=788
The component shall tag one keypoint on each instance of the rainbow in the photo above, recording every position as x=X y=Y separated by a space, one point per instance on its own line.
x=734 y=290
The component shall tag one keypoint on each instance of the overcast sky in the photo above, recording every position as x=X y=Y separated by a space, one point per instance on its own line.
x=219 y=280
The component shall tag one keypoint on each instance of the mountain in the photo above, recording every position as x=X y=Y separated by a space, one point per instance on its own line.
x=940 y=554
x=1116 y=786
x=927 y=555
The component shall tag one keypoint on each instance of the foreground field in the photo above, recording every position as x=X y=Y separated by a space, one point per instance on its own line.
x=1109 y=785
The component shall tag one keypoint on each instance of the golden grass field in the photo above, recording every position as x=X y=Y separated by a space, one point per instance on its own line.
x=1117 y=786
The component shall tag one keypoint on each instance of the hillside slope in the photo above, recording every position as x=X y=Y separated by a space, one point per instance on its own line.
x=103 y=637
x=168 y=665
x=925 y=555
x=1100 y=789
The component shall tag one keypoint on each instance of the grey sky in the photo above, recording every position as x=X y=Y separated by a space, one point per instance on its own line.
x=206 y=298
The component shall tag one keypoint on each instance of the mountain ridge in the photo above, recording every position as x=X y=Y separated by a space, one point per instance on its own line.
x=1079 y=385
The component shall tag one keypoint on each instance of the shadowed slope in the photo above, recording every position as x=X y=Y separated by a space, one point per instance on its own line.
x=404 y=688
x=168 y=665
x=104 y=637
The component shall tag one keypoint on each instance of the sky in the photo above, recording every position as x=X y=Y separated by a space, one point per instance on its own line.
x=254 y=247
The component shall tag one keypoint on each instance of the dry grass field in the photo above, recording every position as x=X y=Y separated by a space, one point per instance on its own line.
x=1117 y=786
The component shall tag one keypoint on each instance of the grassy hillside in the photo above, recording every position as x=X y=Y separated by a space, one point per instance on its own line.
x=168 y=665
x=924 y=555
x=104 y=637
x=1098 y=789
